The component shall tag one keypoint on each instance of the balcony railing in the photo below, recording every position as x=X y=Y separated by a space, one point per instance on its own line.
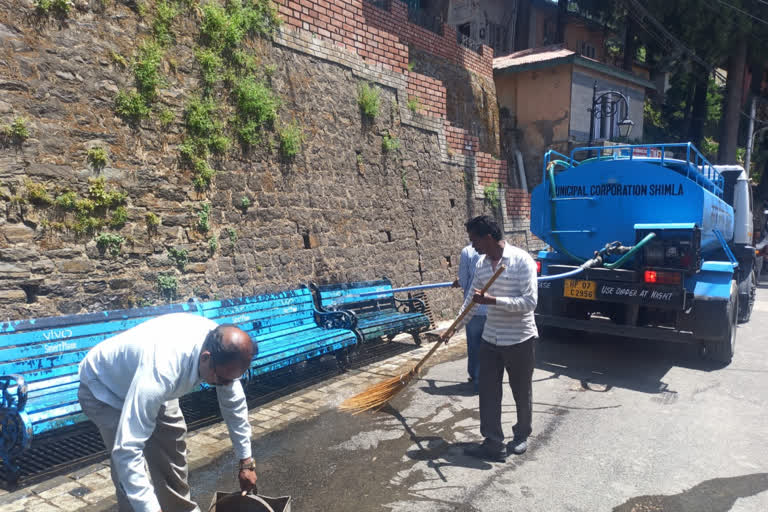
x=381 y=4
x=468 y=42
x=423 y=19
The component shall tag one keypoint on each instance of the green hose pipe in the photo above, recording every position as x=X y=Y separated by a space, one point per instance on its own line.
x=618 y=263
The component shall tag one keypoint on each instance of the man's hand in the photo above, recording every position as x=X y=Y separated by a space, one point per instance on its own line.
x=447 y=335
x=483 y=298
x=247 y=476
x=455 y=284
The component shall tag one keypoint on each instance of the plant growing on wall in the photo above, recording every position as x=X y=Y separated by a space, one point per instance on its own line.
x=491 y=195
x=389 y=143
x=413 y=104
x=179 y=257
x=37 y=194
x=291 y=138
x=167 y=284
x=97 y=158
x=153 y=221
x=204 y=218
x=368 y=98
x=17 y=132
x=109 y=242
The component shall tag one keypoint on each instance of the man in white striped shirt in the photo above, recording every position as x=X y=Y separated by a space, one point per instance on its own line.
x=508 y=336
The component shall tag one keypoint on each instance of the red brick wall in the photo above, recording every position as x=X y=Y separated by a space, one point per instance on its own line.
x=518 y=204
x=489 y=170
x=380 y=36
x=429 y=92
x=460 y=141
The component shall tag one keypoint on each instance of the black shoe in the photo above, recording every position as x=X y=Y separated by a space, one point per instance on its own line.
x=517 y=445
x=470 y=379
x=486 y=451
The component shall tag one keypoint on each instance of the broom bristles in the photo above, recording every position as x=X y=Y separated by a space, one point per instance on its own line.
x=378 y=395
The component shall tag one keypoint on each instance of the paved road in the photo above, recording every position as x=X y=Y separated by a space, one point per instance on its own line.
x=619 y=426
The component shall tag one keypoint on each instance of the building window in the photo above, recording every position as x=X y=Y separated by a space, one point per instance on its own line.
x=495 y=39
x=588 y=50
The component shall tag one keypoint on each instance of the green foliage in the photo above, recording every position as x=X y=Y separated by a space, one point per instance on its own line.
x=97 y=157
x=411 y=65
x=118 y=218
x=179 y=257
x=166 y=118
x=161 y=25
x=205 y=130
x=101 y=196
x=368 y=98
x=167 y=284
x=232 y=235
x=245 y=203
x=37 y=193
x=131 y=107
x=66 y=200
x=291 y=137
x=204 y=218
x=118 y=59
x=60 y=8
x=389 y=143
x=256 y=107
x=86 y=224
x=413 y=104
x=224 y=28
x=146 y=70
x=210 y=65
x=491 y=195
x=213 y=244
x=109 y=242
x=17 y=131
x=152 y=220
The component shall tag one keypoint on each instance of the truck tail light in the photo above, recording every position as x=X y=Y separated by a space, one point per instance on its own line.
x=657 y=277
x=538 y=267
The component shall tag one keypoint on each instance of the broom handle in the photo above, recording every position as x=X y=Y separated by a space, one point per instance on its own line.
x=461 y=316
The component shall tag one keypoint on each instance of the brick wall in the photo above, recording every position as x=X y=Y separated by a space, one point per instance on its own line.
x=489 y=170
x=460 y=141
x=429 y=92
x=379 y=35
x=518 y=204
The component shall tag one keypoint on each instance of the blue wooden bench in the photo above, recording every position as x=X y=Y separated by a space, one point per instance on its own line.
x=39 y=358
x=378 y=316
x=286 y=326
x=39 y=379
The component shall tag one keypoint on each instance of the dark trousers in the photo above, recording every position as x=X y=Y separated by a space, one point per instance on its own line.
x=518 y=360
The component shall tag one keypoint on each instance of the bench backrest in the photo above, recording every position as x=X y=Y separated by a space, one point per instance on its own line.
x=47 y=353
x=345 y=296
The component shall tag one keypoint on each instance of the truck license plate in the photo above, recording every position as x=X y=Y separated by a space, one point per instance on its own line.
x=577 y=289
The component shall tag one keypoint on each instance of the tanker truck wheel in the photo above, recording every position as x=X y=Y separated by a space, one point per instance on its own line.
x=721 y=350
x=747 y=292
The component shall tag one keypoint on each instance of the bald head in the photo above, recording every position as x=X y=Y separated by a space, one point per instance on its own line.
x=228 y=344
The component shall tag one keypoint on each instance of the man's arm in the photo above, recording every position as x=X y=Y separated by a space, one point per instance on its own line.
x=137 y=423
x=234 y=410
x=475 y=284
x=465 y=270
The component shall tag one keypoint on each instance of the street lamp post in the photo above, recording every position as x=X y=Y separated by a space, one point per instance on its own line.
x=608 y=104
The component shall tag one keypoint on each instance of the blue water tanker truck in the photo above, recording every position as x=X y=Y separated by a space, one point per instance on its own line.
x=649 y=242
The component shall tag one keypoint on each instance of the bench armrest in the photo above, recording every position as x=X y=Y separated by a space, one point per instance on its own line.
x=336 y=319
x=8 y=400
x=410 y=305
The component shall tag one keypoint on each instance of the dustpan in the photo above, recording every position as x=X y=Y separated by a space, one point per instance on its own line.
x=238 y=502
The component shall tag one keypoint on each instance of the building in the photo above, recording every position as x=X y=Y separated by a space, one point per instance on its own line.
x=547 y=93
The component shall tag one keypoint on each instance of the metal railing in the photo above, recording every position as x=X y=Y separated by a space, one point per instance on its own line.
x=381 y=4
x=468 y=42
x=425 y=20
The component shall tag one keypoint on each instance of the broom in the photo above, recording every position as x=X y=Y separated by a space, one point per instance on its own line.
x=379 y=394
